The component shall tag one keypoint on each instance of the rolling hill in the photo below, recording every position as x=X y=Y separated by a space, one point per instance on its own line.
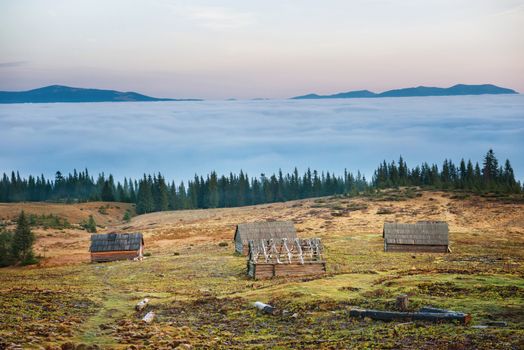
x=60 y=93
x=456 y=90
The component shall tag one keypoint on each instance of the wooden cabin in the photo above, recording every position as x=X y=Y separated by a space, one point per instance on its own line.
x=424 y=236
x=255 y=231
x=283 y=257
x=116 y=246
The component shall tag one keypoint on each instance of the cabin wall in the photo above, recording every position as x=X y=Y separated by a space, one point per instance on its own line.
x=416 y=248
x=238 y=245
x=115 y=255
x=263 y=271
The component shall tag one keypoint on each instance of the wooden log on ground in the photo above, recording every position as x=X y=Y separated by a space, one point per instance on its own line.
x=149 y=317
x=497 y=323
x=434 y=309
x=142 y=304
x=409 y=316
x=402 y=302
x=265 y=308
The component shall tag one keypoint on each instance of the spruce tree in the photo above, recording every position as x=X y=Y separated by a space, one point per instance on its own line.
x=23 y=240
x=6 y=239
x=213 y=195
x=144 y=197
x=91 y=224
x=490 y=168
x=107 y=192
x=127 y=216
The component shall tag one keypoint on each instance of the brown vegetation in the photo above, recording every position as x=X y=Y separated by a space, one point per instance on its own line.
x=201 y=296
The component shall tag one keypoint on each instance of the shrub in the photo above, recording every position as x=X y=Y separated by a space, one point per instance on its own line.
x=102 y=210
x=49 y=221
x=382 y=211
x=90 y=225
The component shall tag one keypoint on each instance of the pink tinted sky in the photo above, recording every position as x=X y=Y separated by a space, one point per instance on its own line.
x=269 y=48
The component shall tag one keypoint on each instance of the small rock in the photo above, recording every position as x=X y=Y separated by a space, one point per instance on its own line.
x=68 y=346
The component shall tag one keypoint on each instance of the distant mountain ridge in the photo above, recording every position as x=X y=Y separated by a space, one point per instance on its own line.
x=456 y=90
x=60 y=93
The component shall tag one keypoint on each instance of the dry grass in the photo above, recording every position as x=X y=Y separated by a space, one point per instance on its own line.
x=202 y=297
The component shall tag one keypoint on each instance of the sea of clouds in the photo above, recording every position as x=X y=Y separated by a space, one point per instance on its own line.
x=180 y=139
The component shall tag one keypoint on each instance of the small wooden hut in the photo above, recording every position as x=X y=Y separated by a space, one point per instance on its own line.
x=255 y=231
x=116 y=246
x=283 y=257
x=424 y=236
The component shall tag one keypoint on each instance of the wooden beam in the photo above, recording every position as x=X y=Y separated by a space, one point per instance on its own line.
x=424 y=316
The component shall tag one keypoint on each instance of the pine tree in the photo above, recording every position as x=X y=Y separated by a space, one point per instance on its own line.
x=107 y=192
x=161 y=194
x=490 y=169
x=6 y=239
x=144 y=197
x=213 y=195
x=23 y=240
x=90 y=226
x=508 y=177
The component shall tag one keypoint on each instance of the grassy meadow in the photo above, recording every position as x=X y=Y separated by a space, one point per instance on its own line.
x=203 y=299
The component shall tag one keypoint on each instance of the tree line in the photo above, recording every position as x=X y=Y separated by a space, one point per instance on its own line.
x=153 y=193
x=466 y=176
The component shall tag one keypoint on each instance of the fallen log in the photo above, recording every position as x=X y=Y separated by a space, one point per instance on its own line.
x=409 y=316
x=435 y=310
x=142 y=304
x=497 y=323
x=149 y=317
x=265 y=308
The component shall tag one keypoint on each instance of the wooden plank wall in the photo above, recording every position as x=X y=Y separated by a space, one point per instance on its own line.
x=263 y=271
x=116 y=255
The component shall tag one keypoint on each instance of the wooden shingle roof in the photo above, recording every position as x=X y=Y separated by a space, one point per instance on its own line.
x=265 y=230
x=115 y=242
x=421 y=233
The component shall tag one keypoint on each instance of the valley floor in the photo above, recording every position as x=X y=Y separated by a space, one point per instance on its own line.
x=202 y=298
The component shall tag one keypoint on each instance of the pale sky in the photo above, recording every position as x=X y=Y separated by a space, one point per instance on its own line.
x=269 y=48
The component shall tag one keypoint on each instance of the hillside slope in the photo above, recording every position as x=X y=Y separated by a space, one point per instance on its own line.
x=202 y=297
x=60 y=93
x=455 y=90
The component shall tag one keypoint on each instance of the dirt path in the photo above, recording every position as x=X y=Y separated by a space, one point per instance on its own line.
x=115 y=305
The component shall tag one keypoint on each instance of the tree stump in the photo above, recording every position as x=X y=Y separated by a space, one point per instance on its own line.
x=402 y=302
